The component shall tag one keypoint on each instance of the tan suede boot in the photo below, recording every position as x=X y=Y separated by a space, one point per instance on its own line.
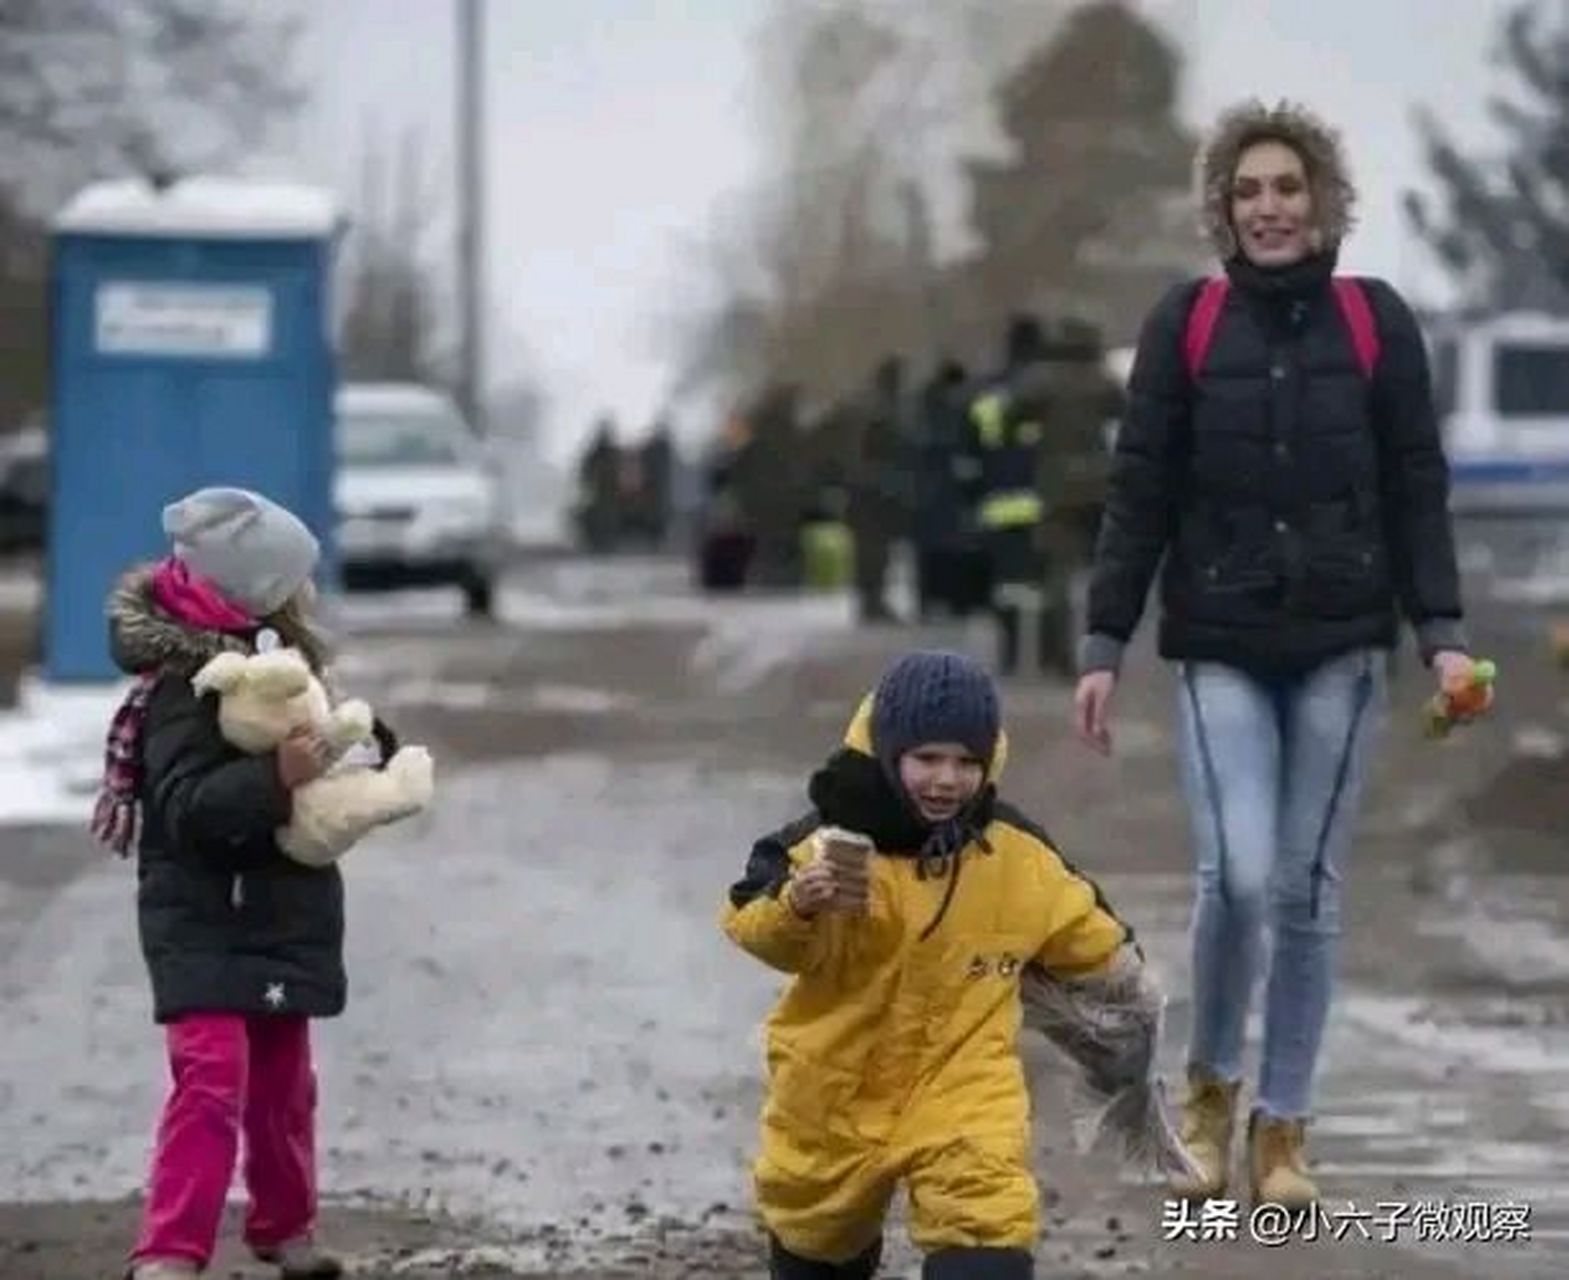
x=1277 y=1162
x=1209 y=1116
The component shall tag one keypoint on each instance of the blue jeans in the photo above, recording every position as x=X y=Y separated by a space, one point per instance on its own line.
x=1273 y=773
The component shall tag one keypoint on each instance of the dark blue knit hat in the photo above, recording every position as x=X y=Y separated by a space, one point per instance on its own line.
x=934 y=697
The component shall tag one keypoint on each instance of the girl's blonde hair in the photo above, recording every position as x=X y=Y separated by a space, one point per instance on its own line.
x=298 y=629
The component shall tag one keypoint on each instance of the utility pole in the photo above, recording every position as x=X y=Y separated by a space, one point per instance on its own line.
x=471 y=200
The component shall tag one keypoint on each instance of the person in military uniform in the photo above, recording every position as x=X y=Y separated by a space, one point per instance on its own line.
x=1039 y=435
x=950 y=569
x=1074 y=468
x=770 y=487
x=1004 y=432
x=880 y=479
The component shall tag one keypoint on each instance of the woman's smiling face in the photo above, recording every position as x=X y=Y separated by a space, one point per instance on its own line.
x=1272 y=205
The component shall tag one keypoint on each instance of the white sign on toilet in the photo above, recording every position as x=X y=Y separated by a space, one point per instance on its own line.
x=213 y=321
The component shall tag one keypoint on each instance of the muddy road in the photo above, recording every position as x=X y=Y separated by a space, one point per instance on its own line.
x=549 y=1065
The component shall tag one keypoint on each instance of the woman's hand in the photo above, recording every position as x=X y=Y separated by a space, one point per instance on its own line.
x=1455 y=672
x=1092 y=708
x=1452 y=668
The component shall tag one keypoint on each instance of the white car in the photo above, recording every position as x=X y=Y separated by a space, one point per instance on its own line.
x=418 y=503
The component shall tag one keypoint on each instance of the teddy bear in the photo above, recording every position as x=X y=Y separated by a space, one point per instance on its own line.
x=263 y=697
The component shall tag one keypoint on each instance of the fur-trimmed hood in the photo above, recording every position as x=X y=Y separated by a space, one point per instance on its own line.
x=142 y=637
x=1334 y=196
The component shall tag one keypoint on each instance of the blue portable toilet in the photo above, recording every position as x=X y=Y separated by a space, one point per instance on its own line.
x=192 y=345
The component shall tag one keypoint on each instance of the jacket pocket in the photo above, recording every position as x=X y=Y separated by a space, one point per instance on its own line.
x=1224 y=558
x=1228 y=578
x=1344 y=579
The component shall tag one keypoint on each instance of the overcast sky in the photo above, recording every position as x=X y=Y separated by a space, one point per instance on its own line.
x=617 y=129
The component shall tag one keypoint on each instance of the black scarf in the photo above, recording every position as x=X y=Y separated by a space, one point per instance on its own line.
x=1308 y=276
x=852 y=791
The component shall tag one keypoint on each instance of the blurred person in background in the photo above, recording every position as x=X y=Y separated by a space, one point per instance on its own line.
x=828 y=442
x=657 y=465
x=880 y=474
x=769 y=483
x=725 y=540
x=950 y=570
x=599 y=489
x=1280 y=453
x=1074 y=468
x=1005 y=433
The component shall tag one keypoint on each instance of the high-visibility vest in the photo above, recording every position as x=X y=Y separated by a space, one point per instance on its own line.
x=1008 y=450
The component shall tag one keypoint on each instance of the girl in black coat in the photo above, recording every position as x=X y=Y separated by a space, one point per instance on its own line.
x=242 y=945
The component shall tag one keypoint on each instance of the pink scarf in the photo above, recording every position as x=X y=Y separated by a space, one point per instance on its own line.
x=188 y=598
x=194 y=600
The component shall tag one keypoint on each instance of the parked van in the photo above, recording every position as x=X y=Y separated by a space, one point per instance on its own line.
x=1501 y=387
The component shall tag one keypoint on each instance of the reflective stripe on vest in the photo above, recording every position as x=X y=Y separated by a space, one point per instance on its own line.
x=1011 y=508
x=990 y=415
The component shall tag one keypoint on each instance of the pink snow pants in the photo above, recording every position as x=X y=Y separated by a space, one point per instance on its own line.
x=233 y=1073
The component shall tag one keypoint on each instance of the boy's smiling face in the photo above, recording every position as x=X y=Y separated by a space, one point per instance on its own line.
x=941 y=778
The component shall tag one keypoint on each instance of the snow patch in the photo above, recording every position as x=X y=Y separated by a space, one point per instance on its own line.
x=199 y=206
x=51 y=751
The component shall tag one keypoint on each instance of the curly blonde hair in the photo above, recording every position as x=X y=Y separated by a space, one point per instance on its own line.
x=1295 y=126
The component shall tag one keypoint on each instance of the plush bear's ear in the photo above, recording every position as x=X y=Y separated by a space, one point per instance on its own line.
x=282 y=673
x=220 y=675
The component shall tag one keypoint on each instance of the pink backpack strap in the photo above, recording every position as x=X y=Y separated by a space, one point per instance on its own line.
x=1358 y=313
x=1202 y=319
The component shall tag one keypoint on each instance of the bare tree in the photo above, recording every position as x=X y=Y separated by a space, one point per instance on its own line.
x=392 y=322
x=93 y=88
x=23 y=311
x=814 y=267
x=1504 y=227
x=96 y=87
x=869 y=112
x=1096 y=175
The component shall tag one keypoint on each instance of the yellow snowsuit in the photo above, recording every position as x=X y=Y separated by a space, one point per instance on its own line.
x=891 y=1056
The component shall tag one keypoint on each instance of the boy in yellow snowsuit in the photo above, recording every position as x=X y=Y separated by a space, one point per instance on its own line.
x=892 y=1054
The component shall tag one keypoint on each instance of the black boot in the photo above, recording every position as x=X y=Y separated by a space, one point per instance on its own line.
x=979 y=1264
x=784 y=1265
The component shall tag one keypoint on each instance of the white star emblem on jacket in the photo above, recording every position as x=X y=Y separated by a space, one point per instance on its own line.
x=274 y=995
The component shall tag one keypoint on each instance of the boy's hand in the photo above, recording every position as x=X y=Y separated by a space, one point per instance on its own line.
x=848 y=856
x=812 y=890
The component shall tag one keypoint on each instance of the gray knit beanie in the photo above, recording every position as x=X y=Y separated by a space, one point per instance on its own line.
x=254 y=551
x=934 y=697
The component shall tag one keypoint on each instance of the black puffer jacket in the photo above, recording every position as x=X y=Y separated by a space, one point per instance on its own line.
x=228 y=924
x=1298 y=506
